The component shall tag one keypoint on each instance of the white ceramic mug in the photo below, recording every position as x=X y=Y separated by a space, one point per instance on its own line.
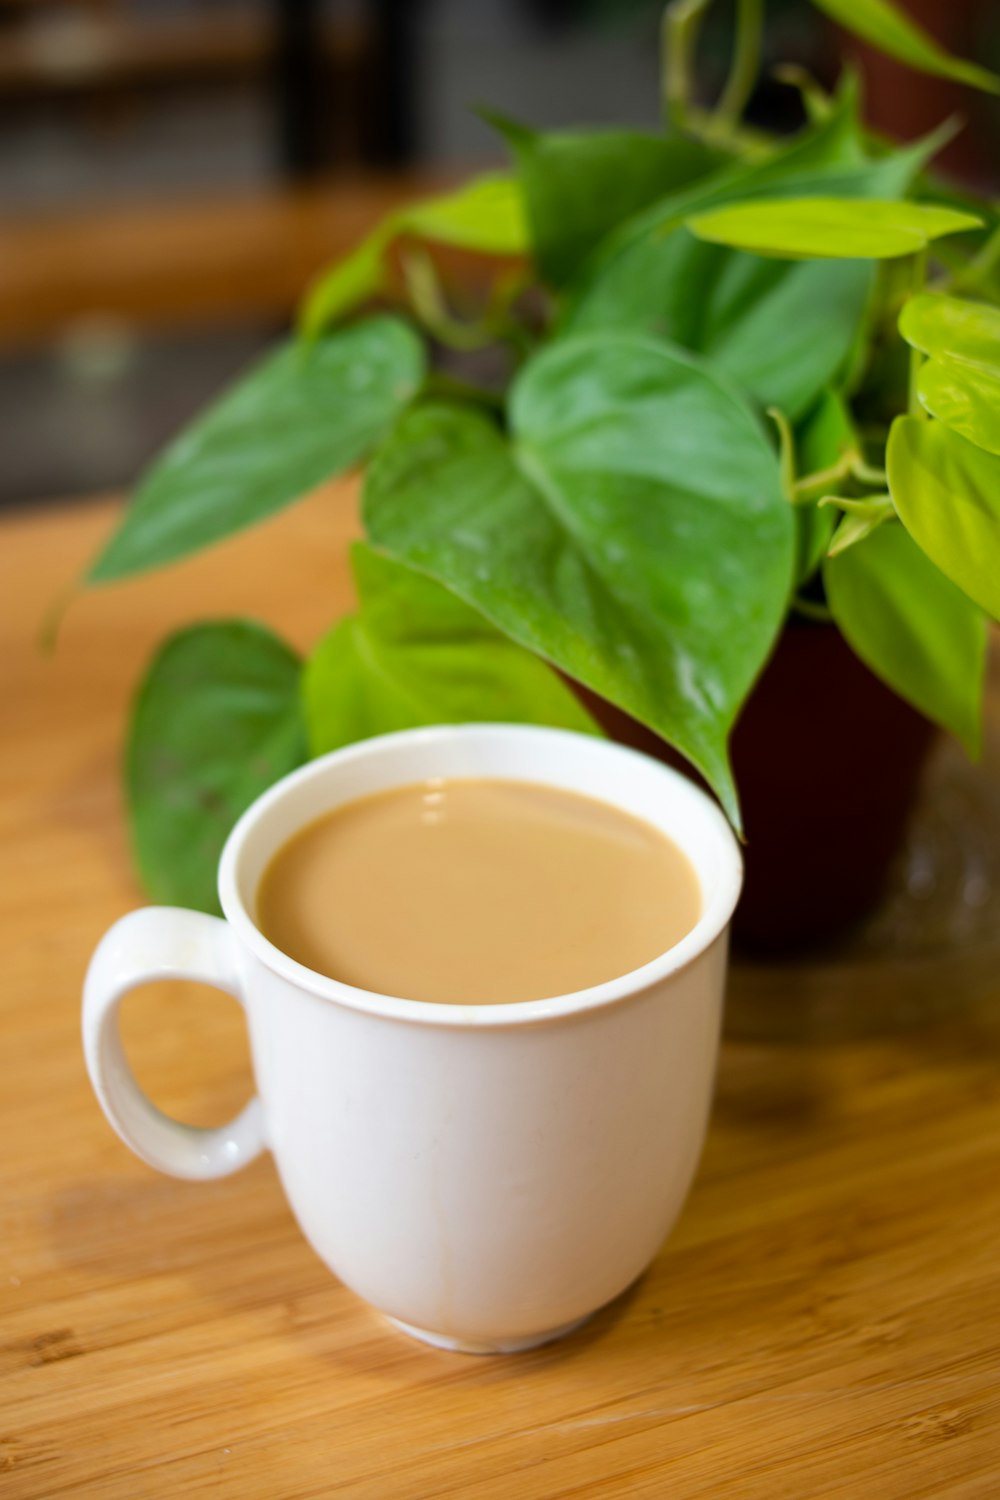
x=485 y=1175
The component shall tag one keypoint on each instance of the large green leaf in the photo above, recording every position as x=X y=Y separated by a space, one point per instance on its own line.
x=960 y=383
x=947 y=493
x=216 y=721
x=781 y=330
x=802 y=228
x=822 y=440
x=913 y=628
x=485 y=214
x=298 y=418
x=790 y=332
x=890 y=30
x=633 y=532
x=414 y=653
x=579 y=185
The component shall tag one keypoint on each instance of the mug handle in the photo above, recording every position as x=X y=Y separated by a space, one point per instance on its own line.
x=162 y=942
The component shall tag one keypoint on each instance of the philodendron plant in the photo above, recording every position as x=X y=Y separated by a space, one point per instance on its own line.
x=743 y=376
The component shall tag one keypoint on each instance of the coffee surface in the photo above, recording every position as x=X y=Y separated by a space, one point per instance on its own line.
x=477 y=892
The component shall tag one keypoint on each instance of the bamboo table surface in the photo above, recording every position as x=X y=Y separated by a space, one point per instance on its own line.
x=824 y=1320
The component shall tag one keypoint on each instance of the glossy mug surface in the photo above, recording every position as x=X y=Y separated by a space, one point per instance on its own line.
x=485 y=1176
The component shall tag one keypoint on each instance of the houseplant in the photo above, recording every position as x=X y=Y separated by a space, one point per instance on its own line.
x=751 y=388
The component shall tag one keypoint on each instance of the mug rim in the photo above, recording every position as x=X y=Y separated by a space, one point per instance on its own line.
x=719 y=902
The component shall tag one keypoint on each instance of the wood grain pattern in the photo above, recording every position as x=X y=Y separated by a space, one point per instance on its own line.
x=198 y=262
x=825 y=1320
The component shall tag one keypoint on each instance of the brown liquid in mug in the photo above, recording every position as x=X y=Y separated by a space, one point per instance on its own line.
x=477 y=892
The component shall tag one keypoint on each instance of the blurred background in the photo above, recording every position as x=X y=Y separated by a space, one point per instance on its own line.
x=172 y=172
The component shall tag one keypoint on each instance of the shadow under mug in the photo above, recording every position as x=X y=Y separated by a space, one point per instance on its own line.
x=487 y=1176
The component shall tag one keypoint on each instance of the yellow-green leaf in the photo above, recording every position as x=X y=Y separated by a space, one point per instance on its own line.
x=825 y=228
x=485 y=214
x=860 y=518
x=912 y=627
x=955 y=326
x=960 y=383
x=965 y=398
x=891 y=31
x=348 y=284
x=947 y=493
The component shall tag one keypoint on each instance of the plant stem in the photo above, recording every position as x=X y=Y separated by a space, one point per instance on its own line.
x=866 y=473
x=428 y=303
x=745 y=64
x=811 y=486
x=917 y=283
x=787 y=454
x=816 y=102
x=743 y=140
x=811 y=610
x=678 y=37
x=859 y=505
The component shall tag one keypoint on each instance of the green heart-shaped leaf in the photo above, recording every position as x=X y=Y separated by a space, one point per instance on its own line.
x=298 y=418
x=414 y=653
x=216 y=722
x=912 y=627
x=634 y=532
x=947 y=492
x=579 y=185
x=727 y=306
x=797 y=228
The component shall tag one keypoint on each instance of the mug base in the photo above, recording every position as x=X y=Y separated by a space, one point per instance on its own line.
x=486 y=1346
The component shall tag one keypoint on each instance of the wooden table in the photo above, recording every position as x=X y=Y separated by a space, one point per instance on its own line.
x=825 y=1320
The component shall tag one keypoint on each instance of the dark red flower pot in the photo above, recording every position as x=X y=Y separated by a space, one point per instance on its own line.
x=827 y=761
